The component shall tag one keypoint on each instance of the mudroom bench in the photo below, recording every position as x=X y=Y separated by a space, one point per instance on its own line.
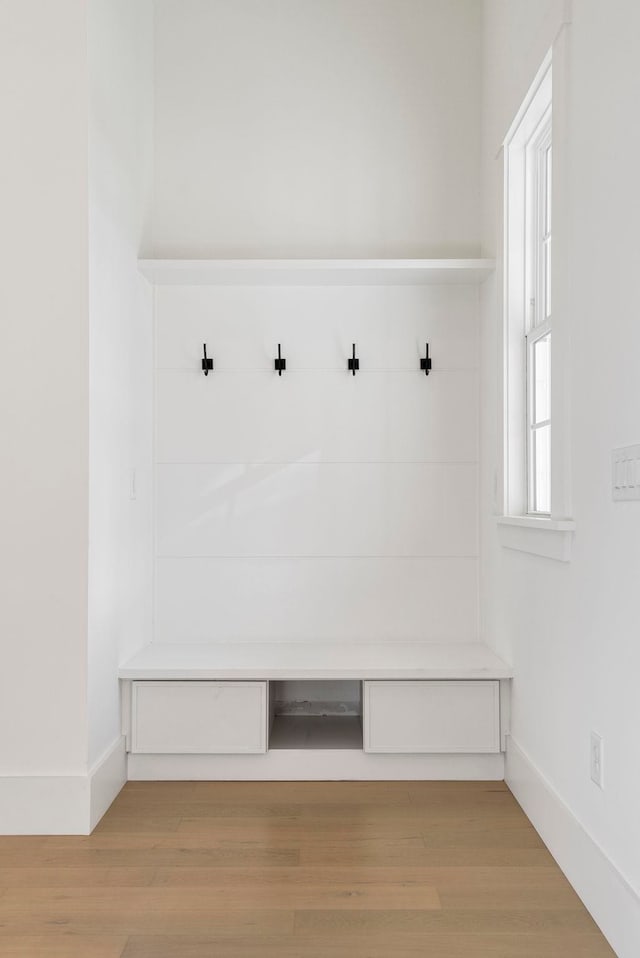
x=306 y=711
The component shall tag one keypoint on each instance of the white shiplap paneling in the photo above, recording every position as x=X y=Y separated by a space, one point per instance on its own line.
x=316 y=505
x=242 y=326
x=318 y=509
x=306 y=600
x=316 y=416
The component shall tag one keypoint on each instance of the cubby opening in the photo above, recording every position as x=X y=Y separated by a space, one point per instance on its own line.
x=315 y=715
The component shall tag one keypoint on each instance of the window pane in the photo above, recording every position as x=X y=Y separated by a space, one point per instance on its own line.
x=546 y=278
x=542 y=469
x=547 y=184
x=542 y=379
x=546 y=234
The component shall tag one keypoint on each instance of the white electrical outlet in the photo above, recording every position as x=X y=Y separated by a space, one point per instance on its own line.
x=596 y=759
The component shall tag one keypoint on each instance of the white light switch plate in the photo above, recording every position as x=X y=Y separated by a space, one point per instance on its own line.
x=596 y=760
x=625 y=472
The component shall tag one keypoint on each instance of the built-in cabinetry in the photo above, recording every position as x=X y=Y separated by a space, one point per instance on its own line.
x=198 y=717
x=253 y=702
x=240 y=718
x=316 y=567
x=432 y=716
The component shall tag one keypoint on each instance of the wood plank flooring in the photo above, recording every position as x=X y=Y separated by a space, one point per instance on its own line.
x=295 y=870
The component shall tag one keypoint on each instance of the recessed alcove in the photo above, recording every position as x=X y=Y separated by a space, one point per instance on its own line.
x=342 y=209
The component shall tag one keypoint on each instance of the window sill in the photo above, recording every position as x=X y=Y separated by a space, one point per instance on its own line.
x=549 y=538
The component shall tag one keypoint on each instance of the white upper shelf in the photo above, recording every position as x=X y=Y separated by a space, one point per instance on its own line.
x=315 y=272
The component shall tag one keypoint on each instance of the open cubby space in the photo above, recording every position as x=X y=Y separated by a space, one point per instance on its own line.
x=316 y=731
x=315 y=715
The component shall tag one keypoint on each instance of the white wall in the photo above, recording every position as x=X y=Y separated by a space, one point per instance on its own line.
x=317 y=505
x=305 y=128
x=44 y=390
x=572 y=629
x=121 y=352
x=75 y=398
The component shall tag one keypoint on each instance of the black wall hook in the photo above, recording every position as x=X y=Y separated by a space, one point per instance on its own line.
x=279 y=364
x=353 y=363
x=207 y=364
x=426 y=362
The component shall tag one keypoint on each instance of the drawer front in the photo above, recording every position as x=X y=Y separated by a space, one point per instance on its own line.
x=199 y=717
x=432 y=716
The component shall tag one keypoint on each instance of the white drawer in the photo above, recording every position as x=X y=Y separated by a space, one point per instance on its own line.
x=431 y=716
x=198 y=717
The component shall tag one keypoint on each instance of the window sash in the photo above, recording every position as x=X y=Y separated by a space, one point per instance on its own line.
x=538 y=216
x=539 y=496
x=538 y=223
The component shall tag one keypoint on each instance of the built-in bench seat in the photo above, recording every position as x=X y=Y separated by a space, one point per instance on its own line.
x=273 y=661
x=408 y=710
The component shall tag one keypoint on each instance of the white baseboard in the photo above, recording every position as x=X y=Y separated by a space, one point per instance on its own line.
x=300 y=765
x=608 y=896
x=44 y=805
x=107 y=777
x=62 y=804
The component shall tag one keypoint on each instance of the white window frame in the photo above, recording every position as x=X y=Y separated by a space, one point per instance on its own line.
x=546 y=533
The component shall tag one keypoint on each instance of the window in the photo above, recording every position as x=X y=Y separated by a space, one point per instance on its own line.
x=528 y=202
x=538 y=158
x=535 y=480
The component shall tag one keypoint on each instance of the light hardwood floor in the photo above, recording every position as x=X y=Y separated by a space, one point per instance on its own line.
x=295 y=870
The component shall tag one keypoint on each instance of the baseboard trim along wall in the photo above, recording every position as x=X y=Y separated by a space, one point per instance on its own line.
x=301 y=765
x=107 y=777
x=62 y=804
x=44 y=805
x=610 y=899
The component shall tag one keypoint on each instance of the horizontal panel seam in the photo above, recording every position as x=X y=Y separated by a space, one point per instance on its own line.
x=264 y=555
x=319 y=462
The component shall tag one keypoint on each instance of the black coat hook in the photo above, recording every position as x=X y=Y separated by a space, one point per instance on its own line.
x=207 y=364
x=353 y=363
x=279 y=364
x=426 y=362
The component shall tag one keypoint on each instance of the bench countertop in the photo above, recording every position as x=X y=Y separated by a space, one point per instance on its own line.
x=307 y=660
